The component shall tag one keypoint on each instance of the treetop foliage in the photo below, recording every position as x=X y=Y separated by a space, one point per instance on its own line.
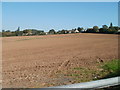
x=30 y=32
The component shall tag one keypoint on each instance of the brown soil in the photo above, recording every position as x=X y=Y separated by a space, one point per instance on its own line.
x=36 y=61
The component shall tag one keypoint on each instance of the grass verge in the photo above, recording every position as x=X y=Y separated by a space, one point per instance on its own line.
x=112 y=68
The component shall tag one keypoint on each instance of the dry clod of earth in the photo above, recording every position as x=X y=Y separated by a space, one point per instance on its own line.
x=42 y=61
x=64 y=64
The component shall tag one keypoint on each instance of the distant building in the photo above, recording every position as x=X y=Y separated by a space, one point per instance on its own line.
x=84 y=30
x=118 y=31
x=70 y=31
x=46 y=33
x=76 y=31
x=73 y=31
x=66 y=31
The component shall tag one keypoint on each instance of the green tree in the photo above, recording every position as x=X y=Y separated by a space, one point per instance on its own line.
x=18 y=29
x=8 y=31
x=27 y=32
x=105 y=27
x=90 y=30
x=116 y=28
x=62 y=32
x=111 y=25
x=79 y=29
x=40 y=32
x=3 y=30
x=52 y=31
x=111 y=31
x=95 y=28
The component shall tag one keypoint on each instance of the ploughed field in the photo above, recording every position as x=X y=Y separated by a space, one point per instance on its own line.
x=51 y=60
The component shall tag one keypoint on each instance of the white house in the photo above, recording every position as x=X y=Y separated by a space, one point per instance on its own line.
x=76 y=31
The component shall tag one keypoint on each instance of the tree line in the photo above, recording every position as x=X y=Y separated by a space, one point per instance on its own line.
x=31 y=32
x=105 y=29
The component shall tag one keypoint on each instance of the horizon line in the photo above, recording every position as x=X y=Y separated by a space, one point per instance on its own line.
x=63 y=28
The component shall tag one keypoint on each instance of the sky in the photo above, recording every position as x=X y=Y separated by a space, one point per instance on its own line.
x=60 y=0
x=58 y=15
